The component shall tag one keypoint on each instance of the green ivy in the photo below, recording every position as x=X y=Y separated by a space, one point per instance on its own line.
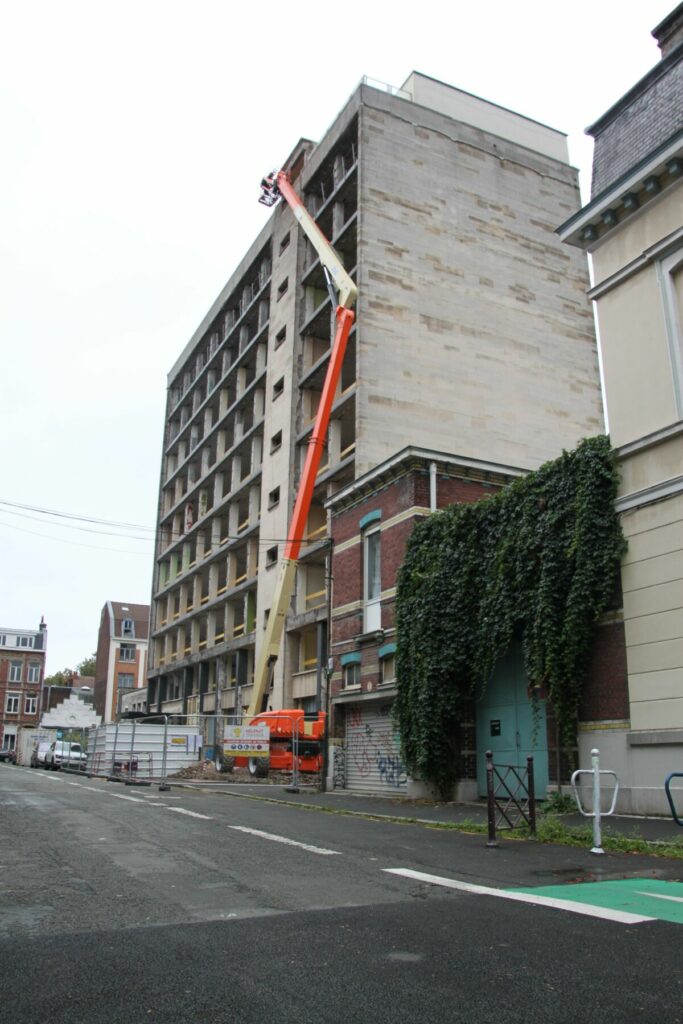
x=539 y=560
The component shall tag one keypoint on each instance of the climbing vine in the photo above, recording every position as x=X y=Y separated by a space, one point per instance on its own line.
x=539 y=560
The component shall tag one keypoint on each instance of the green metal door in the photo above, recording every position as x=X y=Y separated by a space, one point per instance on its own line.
x=506 y=725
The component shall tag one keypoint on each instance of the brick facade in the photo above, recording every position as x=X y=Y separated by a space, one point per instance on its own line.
x=22 y=670
x=398 y=500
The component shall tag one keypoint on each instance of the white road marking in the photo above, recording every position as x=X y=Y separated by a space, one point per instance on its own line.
x=620 y=916
x=661 y=896
x=287 y=842
x=192 y=814
x=120 y=796
x=76 y=784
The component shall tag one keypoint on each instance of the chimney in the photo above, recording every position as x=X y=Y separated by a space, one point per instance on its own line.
x=669 y=32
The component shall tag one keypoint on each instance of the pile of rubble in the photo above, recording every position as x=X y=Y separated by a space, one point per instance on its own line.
x=201 y=770
x=207 y=771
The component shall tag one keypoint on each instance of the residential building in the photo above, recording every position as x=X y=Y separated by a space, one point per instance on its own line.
x=81 y=686
x=133 y=703
x=371 y=520
x=121 y=656
x=72 y=713
x=22 y=669
x=633 y=229
x=473 y=335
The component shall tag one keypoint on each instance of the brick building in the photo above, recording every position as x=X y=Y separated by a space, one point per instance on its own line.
x=121 y=656
x=473 y=332
x=370 y=522
x=22 y=670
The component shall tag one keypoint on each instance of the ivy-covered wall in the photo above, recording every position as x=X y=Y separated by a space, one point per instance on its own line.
x=539 y=560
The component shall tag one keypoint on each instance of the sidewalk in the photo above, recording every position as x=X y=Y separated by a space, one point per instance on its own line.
x=652 y=829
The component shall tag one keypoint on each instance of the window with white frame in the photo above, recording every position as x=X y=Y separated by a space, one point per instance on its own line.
x=670 y=274
x=128 y=627
x=12 y=703
x=372 y=582
x=3 y=639
x=351 y=673
x=126 y=681
x=387 y=668
x=127 y=652
x=15 y=671
x=9 y=740
x=34 y=671
x=24 y=641
x=31 y=704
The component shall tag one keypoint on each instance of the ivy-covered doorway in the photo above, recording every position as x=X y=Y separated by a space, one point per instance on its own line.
x=506 y=724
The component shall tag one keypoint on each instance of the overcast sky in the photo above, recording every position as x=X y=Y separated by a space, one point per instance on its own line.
x=134 y=137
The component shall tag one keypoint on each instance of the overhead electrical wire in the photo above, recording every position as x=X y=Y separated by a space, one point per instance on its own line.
x=75 y=518
x=73 y=515
x=75 y=543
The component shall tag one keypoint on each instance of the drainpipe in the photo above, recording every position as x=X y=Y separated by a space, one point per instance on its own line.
x=432 y=487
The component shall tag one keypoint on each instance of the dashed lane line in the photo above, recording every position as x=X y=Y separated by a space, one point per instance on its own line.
x=283 y=839
x=607 y=914
x=181 y=810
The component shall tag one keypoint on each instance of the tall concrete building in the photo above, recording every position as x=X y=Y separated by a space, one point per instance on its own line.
x=633 y=227
x=473 y=335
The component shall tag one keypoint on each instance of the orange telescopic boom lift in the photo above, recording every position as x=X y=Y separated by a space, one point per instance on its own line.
x=343 y=293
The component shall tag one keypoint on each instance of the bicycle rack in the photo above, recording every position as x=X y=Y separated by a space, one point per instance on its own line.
x=667 y=789
x=596 y=814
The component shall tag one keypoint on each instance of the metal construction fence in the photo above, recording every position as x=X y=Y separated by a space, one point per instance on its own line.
x=142 y=749
x=285 y=749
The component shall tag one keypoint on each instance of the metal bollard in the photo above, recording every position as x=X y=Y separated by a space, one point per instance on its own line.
x=596 y=814
x=531 y=793
x=490 y=801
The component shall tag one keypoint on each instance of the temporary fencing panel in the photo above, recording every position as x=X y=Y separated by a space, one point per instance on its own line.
x=373 y=754
x=142 y=750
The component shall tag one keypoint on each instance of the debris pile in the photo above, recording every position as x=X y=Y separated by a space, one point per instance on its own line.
x=201 y=770
x=206 y=771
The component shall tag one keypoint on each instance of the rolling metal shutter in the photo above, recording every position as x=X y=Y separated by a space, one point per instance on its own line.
x=373 y=755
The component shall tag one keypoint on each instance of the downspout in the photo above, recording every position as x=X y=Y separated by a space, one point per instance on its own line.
x=432 y=487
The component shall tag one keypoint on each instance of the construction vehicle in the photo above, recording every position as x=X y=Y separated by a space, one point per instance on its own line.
x=296 y=740
x=288 y=725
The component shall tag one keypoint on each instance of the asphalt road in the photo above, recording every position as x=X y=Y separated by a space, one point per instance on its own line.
x=126 y=904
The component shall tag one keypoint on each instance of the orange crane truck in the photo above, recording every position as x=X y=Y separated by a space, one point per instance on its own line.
x=292 y=736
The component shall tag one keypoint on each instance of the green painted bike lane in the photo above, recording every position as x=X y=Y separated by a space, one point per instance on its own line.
x=650 y=897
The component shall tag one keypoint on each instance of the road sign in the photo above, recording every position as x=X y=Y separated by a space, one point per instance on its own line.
x=246 y=741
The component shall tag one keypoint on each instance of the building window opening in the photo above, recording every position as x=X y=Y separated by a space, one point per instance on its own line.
x=351 y=675
x=372 y=582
